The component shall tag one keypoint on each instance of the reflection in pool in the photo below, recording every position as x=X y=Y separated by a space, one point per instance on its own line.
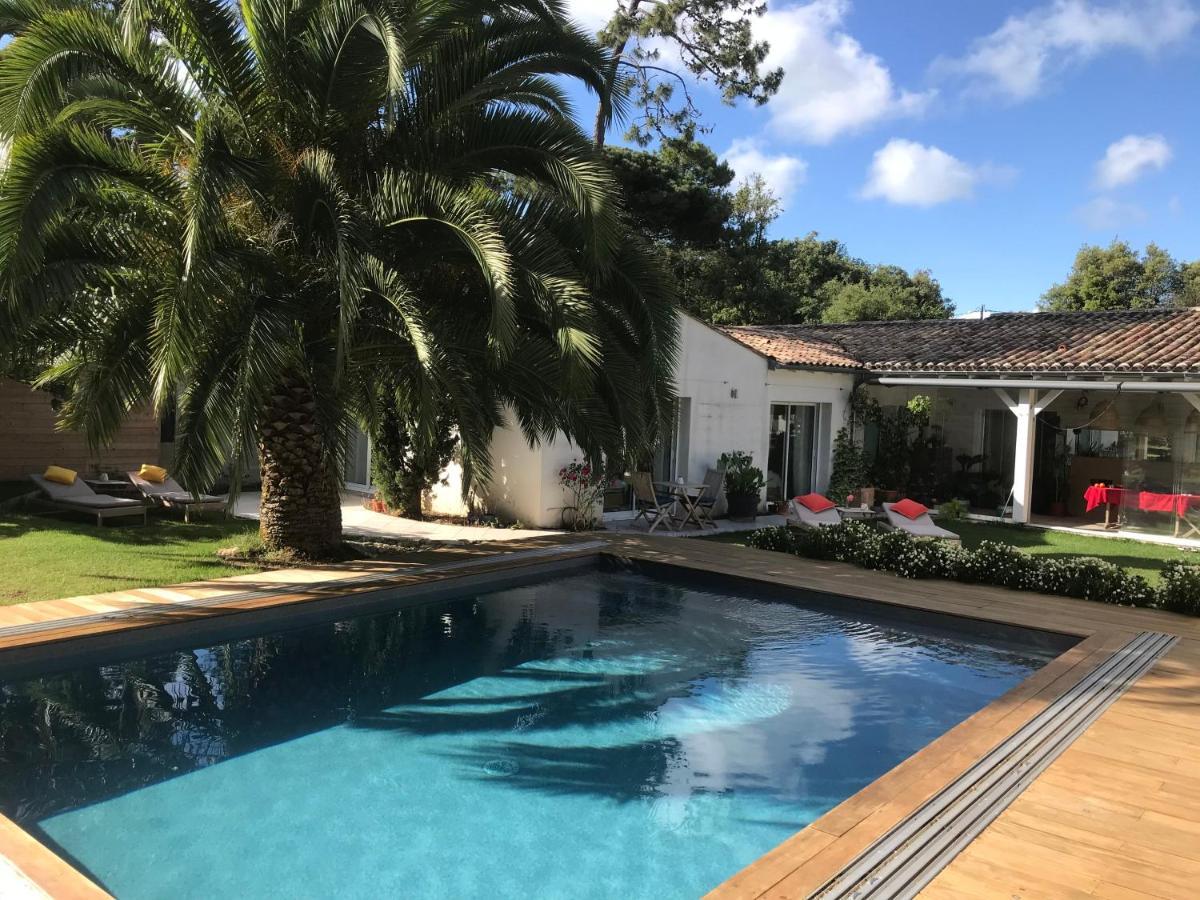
x=604 y=734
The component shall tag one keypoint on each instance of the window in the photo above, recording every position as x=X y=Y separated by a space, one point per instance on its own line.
x=791 y=450
x=357 y=470
x=999 y=444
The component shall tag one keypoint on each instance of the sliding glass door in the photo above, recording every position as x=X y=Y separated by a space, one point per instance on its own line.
x=792 y=450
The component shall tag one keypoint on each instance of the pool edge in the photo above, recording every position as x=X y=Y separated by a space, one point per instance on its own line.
x=811 y=856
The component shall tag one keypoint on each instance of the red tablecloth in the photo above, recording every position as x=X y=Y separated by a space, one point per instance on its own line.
x=1100 y=494
x=1147 y=501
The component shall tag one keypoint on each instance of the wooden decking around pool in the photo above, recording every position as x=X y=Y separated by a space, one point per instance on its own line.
x=1117 y=815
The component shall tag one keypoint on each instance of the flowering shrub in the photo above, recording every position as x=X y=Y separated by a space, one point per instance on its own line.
x=991 y=563
x=585 y=486
x=1179 y=590
x=1000 y=564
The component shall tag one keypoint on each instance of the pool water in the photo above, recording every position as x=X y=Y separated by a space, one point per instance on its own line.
x=603 y=734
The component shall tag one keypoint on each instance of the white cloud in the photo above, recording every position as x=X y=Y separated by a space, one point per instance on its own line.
x=591 y=14
x=831 y=84
x=1016 y=59
x=783 y=173
x=1129 y=158
x=912 y=174
x=1105 y=214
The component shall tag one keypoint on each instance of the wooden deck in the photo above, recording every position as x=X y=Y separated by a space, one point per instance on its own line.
x=1117 y=815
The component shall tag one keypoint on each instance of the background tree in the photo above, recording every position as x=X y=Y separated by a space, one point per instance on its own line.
x=886 y=293
x=258 y=210
x=714 y=238
x=677 y=195
x=1118 y=277
x=714 y=43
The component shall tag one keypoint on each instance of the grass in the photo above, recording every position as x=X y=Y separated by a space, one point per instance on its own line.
x=1140 y=558
x=46 y=558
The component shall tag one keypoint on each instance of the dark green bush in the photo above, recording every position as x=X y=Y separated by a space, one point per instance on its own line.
x=990 y=563
x=1179 y=589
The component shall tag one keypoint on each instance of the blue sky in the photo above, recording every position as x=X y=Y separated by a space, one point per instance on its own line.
x=985 y=141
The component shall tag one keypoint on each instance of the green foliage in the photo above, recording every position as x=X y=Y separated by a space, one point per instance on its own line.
x=337 y=193
x=1118 y=277
x=902 y=443
x=887 y=293
x=1179 y=588
x=954 y=509
x=728 y=273
x=677 y=194
x=990 y=563
x=712 y=39
x=754 y=209
x=408 y=458
x=742 y=477
x=849 y=471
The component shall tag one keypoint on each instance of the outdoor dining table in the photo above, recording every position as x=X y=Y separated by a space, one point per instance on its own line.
x=687 y=496
x=1186 y=507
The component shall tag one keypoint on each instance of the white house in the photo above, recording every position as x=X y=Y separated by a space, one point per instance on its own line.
x=731 y=397
x=1029 y=410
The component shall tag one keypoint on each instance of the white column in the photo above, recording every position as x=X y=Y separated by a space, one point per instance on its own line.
x=1026 y=412
x=1026 y=408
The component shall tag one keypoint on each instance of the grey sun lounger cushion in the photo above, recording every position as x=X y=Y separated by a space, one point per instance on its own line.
x=799 y=514
x=79 y=494
x=170 y=491
x=922 y=526
x=79 y=497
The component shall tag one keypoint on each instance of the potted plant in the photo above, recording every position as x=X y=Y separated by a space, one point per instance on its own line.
x=743 y=483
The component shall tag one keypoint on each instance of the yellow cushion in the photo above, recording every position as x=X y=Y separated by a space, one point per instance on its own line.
x=156 y=474
x=59 y=475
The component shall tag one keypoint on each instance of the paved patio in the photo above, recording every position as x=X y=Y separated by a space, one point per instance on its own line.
x=358 y=521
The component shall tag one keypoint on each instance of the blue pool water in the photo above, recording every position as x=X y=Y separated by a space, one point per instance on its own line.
x=603 y=734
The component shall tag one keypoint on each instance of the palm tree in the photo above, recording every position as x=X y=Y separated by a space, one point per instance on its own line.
x=261 y=212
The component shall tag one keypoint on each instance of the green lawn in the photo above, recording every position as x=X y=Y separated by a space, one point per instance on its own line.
x=48 y=557
x=1143 y=559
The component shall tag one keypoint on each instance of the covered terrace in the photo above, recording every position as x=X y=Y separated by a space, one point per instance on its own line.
x=1065 y=420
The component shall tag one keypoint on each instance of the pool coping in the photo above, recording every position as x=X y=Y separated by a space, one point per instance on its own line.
x=800 y=865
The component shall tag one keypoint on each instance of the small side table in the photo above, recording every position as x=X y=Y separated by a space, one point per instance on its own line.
x=858 y=513
x=113 y=487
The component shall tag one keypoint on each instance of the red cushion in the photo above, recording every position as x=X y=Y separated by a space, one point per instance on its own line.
x=816 y=502
x=909 y=508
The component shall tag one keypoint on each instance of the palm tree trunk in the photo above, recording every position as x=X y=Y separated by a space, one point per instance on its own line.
x=300 y=508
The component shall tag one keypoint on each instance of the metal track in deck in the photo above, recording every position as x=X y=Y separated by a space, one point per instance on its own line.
x=909 y=856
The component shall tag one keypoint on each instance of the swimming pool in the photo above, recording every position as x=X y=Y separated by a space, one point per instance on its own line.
x=600 y=734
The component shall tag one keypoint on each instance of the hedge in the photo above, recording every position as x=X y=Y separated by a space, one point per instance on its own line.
x=990 y=563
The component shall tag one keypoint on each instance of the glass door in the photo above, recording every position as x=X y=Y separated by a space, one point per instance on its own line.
x=792 y=446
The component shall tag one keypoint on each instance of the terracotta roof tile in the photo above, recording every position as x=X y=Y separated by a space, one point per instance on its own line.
x=1164 y=341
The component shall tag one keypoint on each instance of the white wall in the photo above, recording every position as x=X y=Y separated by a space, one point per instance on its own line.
x=830 y=391
x=727 y=385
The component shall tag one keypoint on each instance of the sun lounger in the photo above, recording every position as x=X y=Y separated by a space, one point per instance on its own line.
x=922 y=526
x=78 y=497
x=801 y=515
x=169 y=494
